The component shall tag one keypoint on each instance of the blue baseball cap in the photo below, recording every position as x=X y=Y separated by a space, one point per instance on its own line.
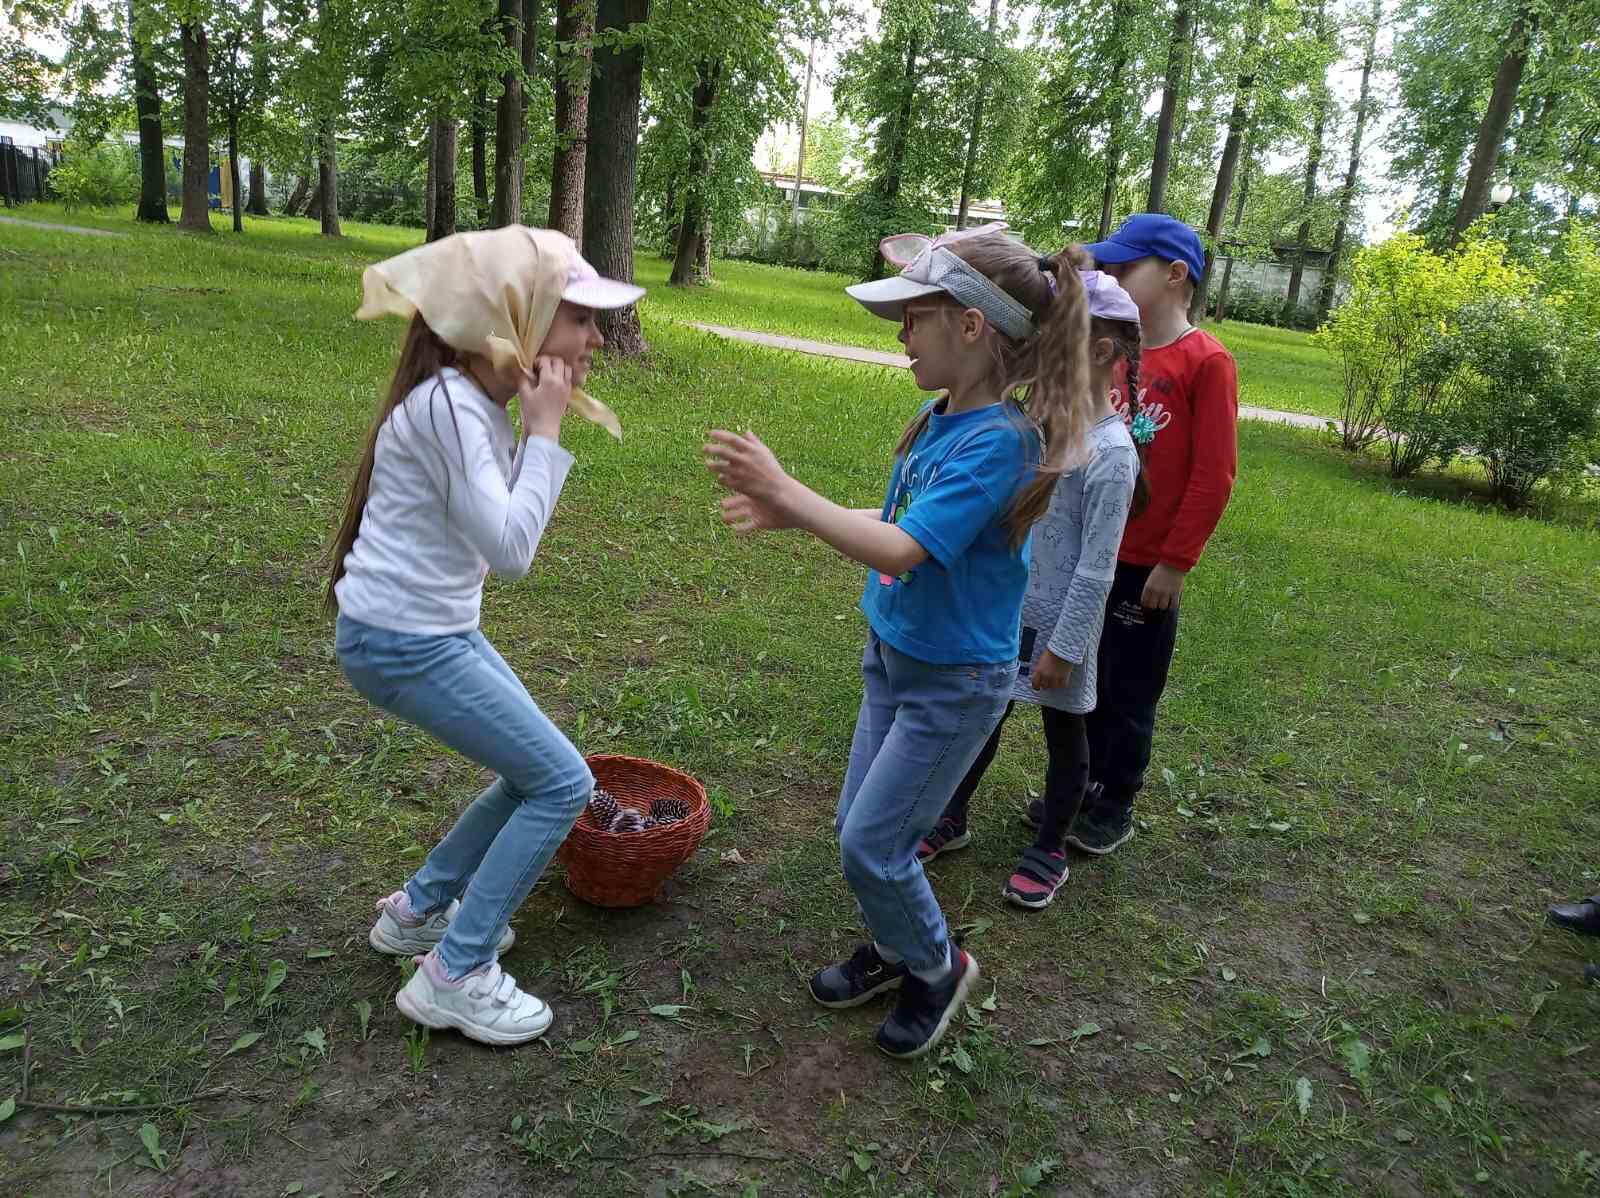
x=1153 y=235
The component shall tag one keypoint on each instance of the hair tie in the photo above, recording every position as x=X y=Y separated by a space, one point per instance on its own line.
x=1047 y=267
x=1143 y=430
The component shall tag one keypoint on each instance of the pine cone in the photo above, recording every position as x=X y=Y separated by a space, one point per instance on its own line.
x=651 y=822
x=628 y=820
x=603 y=807
x=669 y=811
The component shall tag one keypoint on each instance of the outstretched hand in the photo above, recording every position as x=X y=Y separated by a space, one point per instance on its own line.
x=760 y=486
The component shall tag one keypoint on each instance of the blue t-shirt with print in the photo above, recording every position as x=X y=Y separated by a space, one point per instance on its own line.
x=951 y=492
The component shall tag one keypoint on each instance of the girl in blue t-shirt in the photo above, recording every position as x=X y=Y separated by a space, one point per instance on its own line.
x=1003 y=334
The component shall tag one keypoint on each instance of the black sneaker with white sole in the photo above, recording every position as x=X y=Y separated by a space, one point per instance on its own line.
x=921 y=1017
x=1099 y=830
x=859 y=979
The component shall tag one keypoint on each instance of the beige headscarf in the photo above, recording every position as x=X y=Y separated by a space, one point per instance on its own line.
x=492 y=292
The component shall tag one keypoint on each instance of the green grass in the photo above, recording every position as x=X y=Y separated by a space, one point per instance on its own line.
x=1374 y=769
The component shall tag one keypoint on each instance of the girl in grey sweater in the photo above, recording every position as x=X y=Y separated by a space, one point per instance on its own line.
x=1073 y=562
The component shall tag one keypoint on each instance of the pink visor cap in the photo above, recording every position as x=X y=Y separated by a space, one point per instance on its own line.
x=587 y=288
x=1107 y=299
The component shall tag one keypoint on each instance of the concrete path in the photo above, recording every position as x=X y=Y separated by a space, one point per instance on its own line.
x=54 y=228
x=878 y=357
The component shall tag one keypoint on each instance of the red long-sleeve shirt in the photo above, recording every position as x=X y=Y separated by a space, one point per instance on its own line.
x=1190 y=388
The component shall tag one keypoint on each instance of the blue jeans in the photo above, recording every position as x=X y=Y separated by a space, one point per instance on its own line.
x=458 y=689
x=920 y=729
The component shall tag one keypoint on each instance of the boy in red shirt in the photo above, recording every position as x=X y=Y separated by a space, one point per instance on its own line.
x=1189 y=388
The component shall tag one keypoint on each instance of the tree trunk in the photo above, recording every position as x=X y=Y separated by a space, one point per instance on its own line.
x=328 y=170
x=196 y=216
x=611 y=166
x=685 y=267
x=895 y=146
x=508 y=125
x=258 y=189
x=574 y=29
x=1238 y=221
x=302 y=185
x=1492 y=131
x=805 y=120
x=233 y=171
x=1313 y=165
x=152 y=152
x=314 y=206
x=1347 y=194
x=427 y=184
x=1230 y=156
x=1177 y=53
x=704 y=255
x=1108 y=192
x=443 y=143
x=480 y=152
x=975 y=127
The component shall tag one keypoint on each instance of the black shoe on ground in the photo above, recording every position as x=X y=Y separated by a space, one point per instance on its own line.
x=857 y=980
x=1099 y=830
x=920 y=1018
x=1582 y=915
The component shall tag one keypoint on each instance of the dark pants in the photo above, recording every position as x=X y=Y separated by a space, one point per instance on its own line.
x=1065 y=778
x=1135 y=654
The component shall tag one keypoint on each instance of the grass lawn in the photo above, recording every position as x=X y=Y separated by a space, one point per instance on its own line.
x=1321 y=968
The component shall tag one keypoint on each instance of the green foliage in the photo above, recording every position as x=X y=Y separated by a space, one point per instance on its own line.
x=1402 y=294
x=96 y=178
x=1530 y=409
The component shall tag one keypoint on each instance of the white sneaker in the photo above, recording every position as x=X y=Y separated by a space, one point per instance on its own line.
x=402 y=934
x=486 y=1005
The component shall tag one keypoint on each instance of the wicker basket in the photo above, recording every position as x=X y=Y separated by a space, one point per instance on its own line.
x=627 y=869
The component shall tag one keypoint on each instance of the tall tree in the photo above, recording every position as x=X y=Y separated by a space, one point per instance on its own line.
x=508 y=130
x=694 y=227
x=479 y=124
x=1237 y=118
x=1347 y=193
x=257 y=205
x=573 y=66
x=975 y=128
x=1177 y=57
x=238 y=80
x=147 y=104
x=805 y=120
x=328 y=179
x=443 y=144
x=612 y=158
x=1246 y=162
x=1319 y=105
x=1492 y=129
x=1117 y=115
x=196 y=216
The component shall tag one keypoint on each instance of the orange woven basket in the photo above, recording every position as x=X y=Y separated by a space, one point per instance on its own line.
x=627 y=869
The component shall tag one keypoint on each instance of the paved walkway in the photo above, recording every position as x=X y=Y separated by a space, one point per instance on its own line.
x=878 y=357
x=55 y=228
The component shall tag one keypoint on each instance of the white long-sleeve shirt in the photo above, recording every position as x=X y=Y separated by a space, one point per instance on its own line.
x=452 y=497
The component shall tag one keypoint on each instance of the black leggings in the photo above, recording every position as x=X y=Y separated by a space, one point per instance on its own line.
x=1064 y=779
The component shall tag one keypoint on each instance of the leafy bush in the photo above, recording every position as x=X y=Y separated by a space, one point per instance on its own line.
x=1403 y=296
x=1531 y=391
x=96 y=178
x=1423 y=418
x=1255 y=306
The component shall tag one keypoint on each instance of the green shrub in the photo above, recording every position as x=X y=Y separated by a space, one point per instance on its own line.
x=1531 y=401
x=96 y=178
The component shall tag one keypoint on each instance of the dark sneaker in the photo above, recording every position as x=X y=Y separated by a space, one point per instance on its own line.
x=1581 y=915
x=945 y=838
x=1098 y=830
x=920 y=1018
x=851 y=983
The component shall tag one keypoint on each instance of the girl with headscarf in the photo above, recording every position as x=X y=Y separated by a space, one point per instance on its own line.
x=445 y=494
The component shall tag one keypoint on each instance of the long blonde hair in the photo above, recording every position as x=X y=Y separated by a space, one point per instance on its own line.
x=1044 y=379
x=422 y=356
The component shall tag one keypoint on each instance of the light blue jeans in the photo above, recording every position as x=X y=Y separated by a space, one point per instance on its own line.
x=920 y=729
x=458 y=689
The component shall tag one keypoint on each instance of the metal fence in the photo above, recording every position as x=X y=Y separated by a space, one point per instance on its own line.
x=24 y=172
